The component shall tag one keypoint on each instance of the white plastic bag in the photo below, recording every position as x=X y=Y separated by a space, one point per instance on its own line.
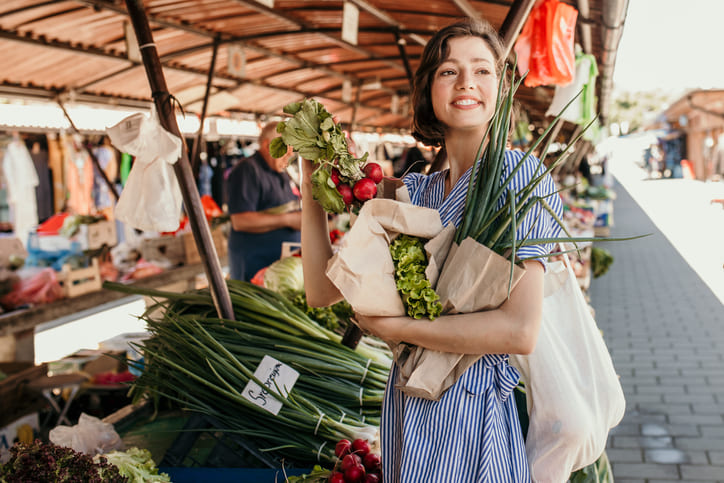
x=151 y=199
x=573 y=393
x=90 y=436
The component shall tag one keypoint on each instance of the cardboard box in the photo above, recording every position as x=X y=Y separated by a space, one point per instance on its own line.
x=162 y=248
x=10 y=245
x=22 y=429
x=192 y=252
x=97 y=234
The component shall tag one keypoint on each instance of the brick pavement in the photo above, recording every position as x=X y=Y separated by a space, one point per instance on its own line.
x=665 y=331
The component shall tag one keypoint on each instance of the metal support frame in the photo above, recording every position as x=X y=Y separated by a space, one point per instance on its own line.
x=192 y=201
x=196 y=150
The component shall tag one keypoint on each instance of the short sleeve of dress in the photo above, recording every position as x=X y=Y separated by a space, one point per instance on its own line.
x=241 y=188
x=413 y=183
x=538 y=222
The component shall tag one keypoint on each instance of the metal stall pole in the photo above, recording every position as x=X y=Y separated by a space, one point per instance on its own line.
x=196 y=150
x=182 y=168
x=93 y=157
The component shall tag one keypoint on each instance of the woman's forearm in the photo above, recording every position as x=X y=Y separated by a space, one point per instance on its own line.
x=316 y=247
x=510 y=329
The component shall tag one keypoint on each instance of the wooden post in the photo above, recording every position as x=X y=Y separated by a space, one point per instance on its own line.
x=196 y=150
x=182 y=168
x=513 y=23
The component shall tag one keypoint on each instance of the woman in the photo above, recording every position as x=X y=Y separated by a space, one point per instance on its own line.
x=472 y=434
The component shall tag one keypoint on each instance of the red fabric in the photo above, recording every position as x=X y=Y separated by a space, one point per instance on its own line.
x=52 y=225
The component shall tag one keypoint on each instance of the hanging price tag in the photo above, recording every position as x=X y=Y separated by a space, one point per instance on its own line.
x=277 y=377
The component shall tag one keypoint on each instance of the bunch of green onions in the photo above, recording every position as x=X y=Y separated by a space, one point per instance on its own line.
x=203 y=363
x=496 y=227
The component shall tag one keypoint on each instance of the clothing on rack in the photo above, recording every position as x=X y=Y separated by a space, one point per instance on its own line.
x=21 y=179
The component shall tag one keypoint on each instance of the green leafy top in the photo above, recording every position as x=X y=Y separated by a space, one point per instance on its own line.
x=312 y=132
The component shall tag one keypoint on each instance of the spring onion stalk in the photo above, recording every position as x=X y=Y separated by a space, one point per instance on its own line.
x=202 y=363
x=493 y=218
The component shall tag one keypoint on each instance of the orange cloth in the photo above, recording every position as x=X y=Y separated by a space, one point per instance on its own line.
x=79 y=180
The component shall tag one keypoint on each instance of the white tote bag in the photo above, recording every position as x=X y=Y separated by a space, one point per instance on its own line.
x=573 y=393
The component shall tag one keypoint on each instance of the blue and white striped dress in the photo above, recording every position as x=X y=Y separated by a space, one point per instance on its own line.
x=472 y=435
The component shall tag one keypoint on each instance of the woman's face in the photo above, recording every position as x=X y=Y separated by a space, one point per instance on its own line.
x=465 y=86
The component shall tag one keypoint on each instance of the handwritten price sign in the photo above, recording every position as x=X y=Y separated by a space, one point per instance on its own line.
x=277 y=378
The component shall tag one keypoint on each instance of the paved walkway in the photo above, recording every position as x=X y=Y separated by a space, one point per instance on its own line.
x=665 y=330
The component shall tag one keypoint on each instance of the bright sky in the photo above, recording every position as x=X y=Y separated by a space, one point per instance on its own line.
x=671 y=44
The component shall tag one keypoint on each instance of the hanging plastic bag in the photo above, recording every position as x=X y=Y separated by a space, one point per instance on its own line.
x=582 y=109
x=573 y=393
x=151 y=199
x=90 y=436
x=545 y=45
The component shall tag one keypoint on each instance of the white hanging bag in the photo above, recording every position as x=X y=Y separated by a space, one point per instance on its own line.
x=573 y=393
x=151 y=199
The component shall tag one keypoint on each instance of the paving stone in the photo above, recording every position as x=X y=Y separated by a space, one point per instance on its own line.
x=645 y=470
x=700 y=472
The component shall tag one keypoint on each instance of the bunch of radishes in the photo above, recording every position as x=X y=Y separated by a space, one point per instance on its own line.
x=360 y=190
x=356 y=463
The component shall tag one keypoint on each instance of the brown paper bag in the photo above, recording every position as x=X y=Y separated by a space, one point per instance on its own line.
x=473 y=278
x=362 y=269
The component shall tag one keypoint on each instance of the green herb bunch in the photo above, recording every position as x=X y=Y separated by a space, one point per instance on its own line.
x=410 y=260
x=40 y=461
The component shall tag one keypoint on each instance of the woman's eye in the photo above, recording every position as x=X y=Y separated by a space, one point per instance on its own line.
x=445 y=72
x=483 y=71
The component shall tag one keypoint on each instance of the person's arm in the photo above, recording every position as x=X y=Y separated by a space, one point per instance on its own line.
x=316 y=246
x=259 y=222
x=510 y=329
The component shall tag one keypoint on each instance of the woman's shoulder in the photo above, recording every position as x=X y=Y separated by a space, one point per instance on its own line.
x=415 y=181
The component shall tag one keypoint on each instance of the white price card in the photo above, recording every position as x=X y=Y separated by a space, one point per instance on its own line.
x=277 y=377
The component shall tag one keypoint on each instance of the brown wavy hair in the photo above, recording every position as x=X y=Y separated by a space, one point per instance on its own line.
x=425 y=126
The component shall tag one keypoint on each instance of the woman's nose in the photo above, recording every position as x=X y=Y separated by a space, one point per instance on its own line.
x=465 y=80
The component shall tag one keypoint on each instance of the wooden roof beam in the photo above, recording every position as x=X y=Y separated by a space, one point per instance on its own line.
x=260 y=7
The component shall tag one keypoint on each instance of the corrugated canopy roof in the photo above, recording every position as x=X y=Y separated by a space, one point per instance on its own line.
x=266 y=56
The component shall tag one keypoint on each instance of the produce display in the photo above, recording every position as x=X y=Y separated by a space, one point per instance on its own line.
x=204 y=364
x=340 y=181
x=39 y=461
x=356 y=463
x=136 y=464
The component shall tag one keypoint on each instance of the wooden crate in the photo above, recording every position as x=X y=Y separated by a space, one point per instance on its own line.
x=95 y=235
x=80 y=281
x=167 y=247
x=192 y=252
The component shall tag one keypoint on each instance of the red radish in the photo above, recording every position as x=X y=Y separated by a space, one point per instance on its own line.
x=373 y=171
x=372 y=461
x=354 y=474
x=334 y=176
x=349 y=461
x=337 y=477
x=343 y=447
x=346 y=192
x=364 y=189
x=360 y=447
x=372 y=478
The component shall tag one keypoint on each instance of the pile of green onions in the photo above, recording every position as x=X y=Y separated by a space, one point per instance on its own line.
x=496 y=227
x=202 y=363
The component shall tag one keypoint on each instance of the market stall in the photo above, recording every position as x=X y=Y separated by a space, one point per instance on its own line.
x=170 y=45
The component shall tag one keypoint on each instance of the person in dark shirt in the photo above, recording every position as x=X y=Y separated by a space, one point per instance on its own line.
x=264 y=209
